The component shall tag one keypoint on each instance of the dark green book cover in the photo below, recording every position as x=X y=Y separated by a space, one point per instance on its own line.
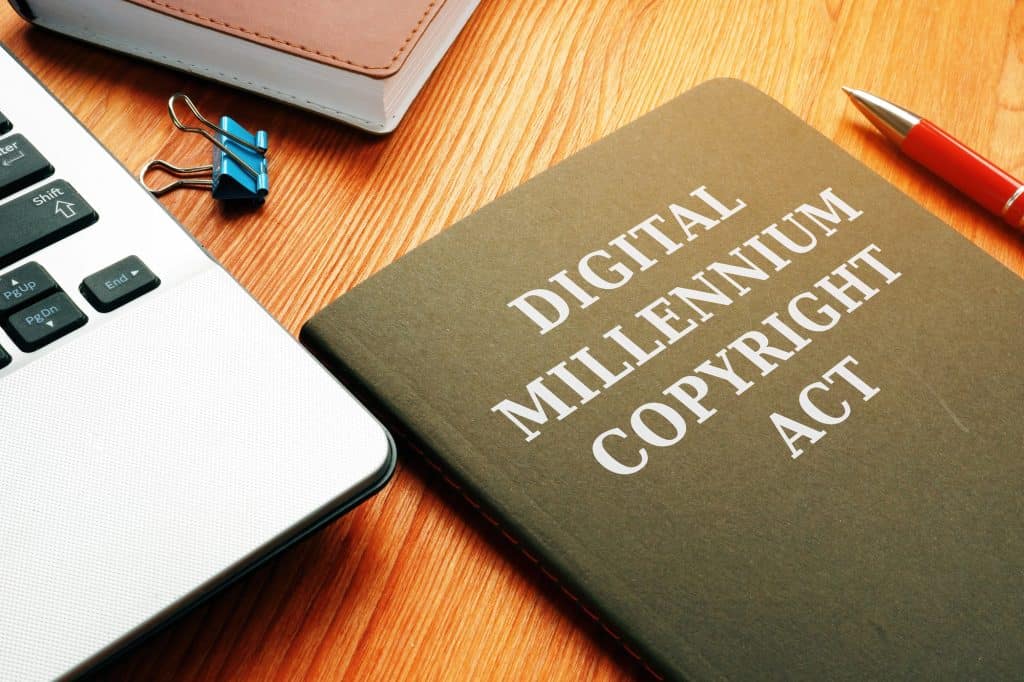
x=753 y=405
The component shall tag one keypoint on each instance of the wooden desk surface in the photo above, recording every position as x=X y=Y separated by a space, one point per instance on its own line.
x=413 y=584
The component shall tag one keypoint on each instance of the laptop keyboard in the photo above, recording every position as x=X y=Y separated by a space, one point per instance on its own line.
x=34 y=309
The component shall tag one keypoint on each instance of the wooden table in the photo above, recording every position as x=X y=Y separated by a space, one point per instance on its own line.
x=413 y=584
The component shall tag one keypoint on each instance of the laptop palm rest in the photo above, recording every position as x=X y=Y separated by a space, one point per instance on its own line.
x=146 y=460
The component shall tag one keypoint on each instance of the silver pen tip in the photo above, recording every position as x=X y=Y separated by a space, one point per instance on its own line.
x=892 y=121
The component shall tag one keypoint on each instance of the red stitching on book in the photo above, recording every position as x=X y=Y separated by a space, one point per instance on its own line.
x=632 y=653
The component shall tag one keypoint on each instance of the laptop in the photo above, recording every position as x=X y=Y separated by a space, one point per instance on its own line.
x=160 y=432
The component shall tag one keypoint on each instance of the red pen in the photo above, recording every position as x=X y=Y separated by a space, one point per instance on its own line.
x=941 y=153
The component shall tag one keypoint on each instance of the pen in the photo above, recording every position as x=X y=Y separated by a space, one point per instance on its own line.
x=941 y=153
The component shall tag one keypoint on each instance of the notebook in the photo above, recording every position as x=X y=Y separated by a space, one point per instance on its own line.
x=358 y=62
x=757 y=410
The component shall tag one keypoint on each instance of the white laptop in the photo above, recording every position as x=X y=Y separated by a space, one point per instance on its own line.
x=159 y=432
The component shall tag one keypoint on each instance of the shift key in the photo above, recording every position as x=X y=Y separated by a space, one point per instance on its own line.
x=38 y=219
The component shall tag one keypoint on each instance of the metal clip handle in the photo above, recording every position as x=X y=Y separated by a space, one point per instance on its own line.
x=184 y=175
x=213 y=140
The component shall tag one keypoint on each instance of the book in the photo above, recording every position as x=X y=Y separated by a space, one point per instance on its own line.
x=754 y=407
x=358 y=62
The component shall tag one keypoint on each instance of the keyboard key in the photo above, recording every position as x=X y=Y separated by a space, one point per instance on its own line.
x=21 y=286
x=45 y=322
x=5 y=358
x=5 y=125
x=41 y=218
x=117 y=284
x=20 y=165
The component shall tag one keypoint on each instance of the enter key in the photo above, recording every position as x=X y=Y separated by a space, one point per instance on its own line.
x=118 y=284
x=21 y=164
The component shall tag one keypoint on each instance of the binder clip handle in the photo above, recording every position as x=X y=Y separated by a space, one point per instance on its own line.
x=222 y=131
x=184 y=175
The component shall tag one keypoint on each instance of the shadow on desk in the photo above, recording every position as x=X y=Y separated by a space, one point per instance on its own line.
x=268 y=614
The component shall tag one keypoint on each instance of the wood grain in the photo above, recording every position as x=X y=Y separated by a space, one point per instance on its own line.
x=413 y=585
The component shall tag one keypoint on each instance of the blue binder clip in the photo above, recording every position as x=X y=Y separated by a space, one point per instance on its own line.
x=239 y=168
